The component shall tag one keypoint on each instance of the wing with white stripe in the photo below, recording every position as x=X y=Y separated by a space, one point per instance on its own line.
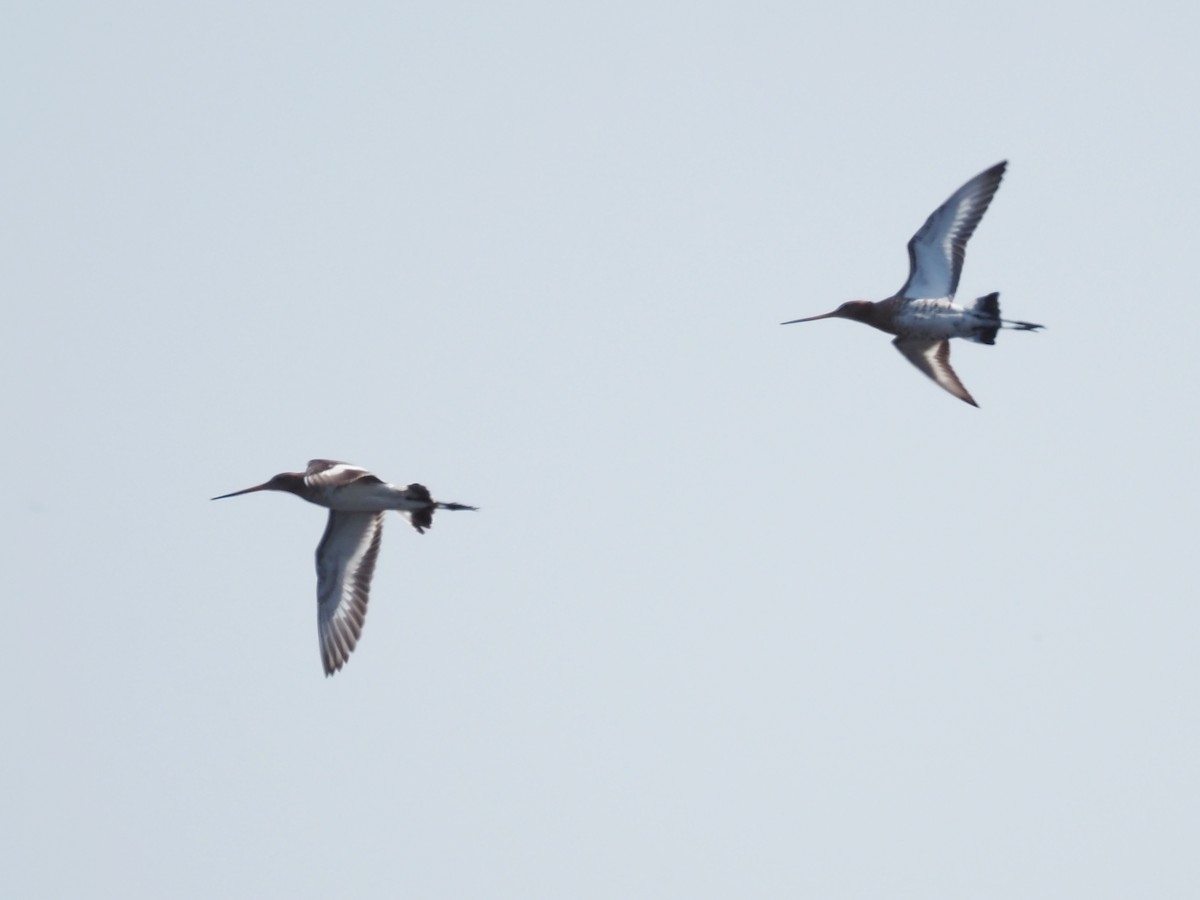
x=936 y=251
x=345 y=563
x=332 y=473
x=933 y=358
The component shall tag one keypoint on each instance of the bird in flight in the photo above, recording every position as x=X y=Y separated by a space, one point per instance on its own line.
x=923 y=314
x=356 y=500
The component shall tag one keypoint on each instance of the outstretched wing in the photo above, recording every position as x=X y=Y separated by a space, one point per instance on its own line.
x=933 y=358
x=345 y=563
x=936 y=251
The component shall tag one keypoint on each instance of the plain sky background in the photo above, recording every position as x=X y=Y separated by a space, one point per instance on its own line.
x=748 y=611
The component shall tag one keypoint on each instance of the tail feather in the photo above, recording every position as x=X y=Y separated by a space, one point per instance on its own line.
x=988 y=307
x=423 y=518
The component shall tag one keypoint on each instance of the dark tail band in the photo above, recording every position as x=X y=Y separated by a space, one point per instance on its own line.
x=423 y=518
x=989 y=307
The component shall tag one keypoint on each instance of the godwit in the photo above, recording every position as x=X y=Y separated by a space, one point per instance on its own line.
x=923 y=314
x=356 y=500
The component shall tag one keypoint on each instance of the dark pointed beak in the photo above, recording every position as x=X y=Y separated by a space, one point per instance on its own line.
x=258 y=487
x=828 y=315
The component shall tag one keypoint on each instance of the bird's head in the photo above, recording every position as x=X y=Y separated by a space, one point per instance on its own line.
x=858 y=310
x=284 y=481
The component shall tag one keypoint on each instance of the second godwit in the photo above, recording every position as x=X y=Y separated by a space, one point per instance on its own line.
x=923 y=314
x=356 y=500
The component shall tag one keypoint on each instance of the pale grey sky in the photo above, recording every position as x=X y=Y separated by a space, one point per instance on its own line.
x=748 y=611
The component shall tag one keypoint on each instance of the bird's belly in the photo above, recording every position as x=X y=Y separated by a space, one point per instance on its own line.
x=934 y=319
x=370 y=498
